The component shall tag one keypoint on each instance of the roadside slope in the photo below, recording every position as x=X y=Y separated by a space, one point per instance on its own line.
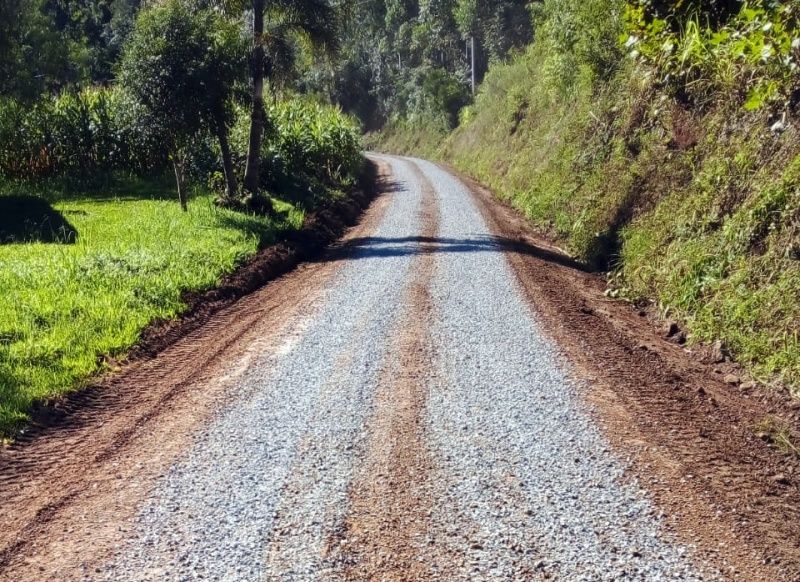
x=661 y=175
x=691 y=435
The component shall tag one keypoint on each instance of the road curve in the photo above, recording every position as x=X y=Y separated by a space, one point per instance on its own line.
x=408 y=420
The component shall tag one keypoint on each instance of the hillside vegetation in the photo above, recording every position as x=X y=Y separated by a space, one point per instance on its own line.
x=660 y=144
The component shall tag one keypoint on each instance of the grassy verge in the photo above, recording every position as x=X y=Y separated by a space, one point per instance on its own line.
x=116 y=264
x=420 y=139
x=693 y=206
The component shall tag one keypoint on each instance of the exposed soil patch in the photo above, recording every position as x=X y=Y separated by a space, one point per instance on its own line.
x=69 y=486
x=390 y=498
x=690 y=434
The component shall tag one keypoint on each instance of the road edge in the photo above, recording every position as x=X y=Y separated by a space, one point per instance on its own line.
x=320 y=229
x=689 y=436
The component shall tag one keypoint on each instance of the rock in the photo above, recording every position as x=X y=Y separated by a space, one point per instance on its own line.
x=719 y=352
x=731 y=379
x=749 y=385
x=780 y=479
x=779 y=126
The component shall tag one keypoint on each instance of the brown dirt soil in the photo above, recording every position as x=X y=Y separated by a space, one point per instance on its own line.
x=384 y=537
x=690 y=436
x=69 y=486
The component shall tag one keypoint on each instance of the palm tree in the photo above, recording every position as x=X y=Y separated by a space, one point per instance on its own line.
x=313 y=20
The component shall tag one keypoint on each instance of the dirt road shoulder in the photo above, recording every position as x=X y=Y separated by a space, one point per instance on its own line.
x=690 y=435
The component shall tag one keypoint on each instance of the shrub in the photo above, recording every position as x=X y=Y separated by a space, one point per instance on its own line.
x=307 y=145
x=749 y=51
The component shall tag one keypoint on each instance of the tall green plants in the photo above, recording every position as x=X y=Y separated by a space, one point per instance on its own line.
x=314 y=21
x=308 y=148
x=750 y=53
x=78 y=135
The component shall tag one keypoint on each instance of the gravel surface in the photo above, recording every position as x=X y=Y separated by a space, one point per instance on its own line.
x=533 y=484
x=524 y=486
x=276 y=464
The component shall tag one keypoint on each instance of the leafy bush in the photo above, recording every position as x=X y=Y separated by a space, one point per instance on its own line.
x=429 y=94
x=307 y=145
x=752 y=53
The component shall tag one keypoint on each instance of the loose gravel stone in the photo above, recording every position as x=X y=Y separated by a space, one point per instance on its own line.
x=266 y=482
x=523 y=464
x=524 y=486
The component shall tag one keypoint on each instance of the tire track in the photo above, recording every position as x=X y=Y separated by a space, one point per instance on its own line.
x=386 y=534
x=66 y=495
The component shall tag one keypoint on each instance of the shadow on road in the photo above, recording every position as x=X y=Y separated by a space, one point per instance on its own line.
x=383 y=247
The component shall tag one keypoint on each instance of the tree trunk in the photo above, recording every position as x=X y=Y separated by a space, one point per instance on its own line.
x=251 y=173
x=227 y=159
x=177 y=165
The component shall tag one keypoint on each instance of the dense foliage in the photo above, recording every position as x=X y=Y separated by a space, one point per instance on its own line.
x=77 y=134
x=747 y=50
x=179 y=69
x=50 y=45
x=309 y=149
x=409 y=59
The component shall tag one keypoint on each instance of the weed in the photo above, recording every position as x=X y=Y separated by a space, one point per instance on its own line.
x=777 y=434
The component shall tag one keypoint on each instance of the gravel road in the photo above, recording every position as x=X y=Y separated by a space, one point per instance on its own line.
x=415 y=423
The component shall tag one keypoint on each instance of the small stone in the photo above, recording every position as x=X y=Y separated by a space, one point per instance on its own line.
x=671 y=328
x=780 y=479
x=731 y=379
x=719 y=353
x=749 y=385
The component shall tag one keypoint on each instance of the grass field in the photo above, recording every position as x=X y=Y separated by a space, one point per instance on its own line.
x=117 y=261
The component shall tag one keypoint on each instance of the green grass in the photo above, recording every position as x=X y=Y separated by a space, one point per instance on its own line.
x=64 y=306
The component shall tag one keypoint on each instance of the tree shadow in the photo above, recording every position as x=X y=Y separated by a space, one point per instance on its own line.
x=266 y=232
x=383 y=247
x=32 y=219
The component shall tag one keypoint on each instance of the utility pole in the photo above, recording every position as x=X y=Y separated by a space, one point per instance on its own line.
x=472 y=54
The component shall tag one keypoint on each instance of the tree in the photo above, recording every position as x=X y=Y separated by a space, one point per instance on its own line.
x=35 y=56
x=181 y=64
x=315 y=21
